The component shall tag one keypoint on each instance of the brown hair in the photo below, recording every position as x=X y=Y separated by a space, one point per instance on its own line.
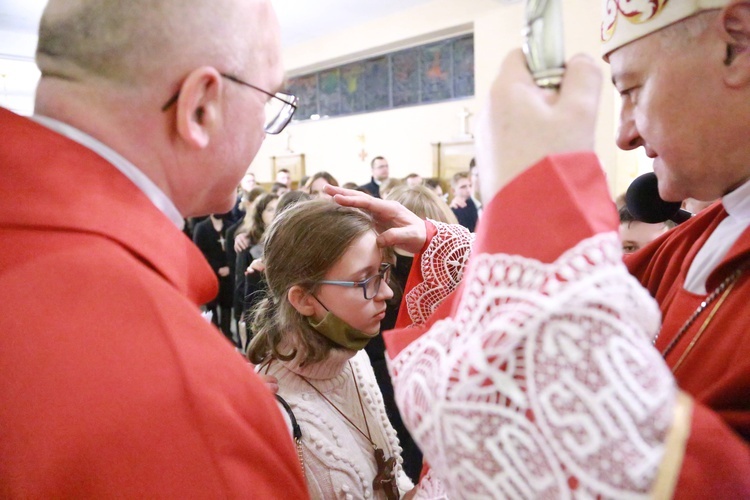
x=322 y=175
x=423 y=202
x=372 y=162
x=302 y=243
x=253 y=224
x=290 y=198
x=458 y=176
x=388 y=185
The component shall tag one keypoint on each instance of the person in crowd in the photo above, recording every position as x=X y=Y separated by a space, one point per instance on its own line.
x=635 y=234
x=247 y=184
x=388 y=185
x=239 y=238
x=209 y=236
x=462 y=203
x=424 y=203
x=120 y=388
x=240 y=242
x=475 y=187
x=253 y=227
x=413 y=180
x=327 y=292
x=290 y=199
x=547 y=329
x=283 y=176
x=318 y=181
x=246 y=200
x=255 y=283
x=435 y=185
x=279 y=189
x=379 y=172
x=349 y=185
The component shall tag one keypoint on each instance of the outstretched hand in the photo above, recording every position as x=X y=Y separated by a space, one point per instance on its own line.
x=396 y=225
x=522 y=123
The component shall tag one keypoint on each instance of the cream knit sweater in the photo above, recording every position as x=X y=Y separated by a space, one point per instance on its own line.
x=339 y=460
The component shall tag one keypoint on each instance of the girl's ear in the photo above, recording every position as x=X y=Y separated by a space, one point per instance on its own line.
x=735 y=18
x=301 y=300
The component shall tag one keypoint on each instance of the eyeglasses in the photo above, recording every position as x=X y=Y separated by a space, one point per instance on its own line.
x=279 y=110
x=370 y=286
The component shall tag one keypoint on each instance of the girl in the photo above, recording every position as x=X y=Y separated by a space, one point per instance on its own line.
x=327 y=293
x=256 y=221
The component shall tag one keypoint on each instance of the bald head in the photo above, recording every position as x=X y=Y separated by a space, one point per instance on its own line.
x=109 y=66
x=136 y=41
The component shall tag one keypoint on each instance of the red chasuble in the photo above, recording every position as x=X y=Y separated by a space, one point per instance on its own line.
x=554 y=206
x=112 y=385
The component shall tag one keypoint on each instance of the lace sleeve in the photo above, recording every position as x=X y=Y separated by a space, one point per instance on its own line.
x=442 y=267
x=545 y=384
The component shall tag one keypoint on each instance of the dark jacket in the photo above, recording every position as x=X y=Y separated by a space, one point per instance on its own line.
x=371 y=187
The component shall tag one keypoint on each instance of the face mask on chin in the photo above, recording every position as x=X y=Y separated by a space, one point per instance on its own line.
x=340 y=332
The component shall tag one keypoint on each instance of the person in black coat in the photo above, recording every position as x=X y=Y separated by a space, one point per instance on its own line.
x=379 y=169
x=462 y=204
x=209 y=236
x=250 y=233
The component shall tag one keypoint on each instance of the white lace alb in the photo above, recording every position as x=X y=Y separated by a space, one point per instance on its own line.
x=442 y=267
x=545 y=384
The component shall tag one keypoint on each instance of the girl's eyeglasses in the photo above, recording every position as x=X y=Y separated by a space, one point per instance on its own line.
x=370 y=286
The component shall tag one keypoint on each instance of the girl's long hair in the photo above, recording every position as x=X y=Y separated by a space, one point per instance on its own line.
x=301 y=244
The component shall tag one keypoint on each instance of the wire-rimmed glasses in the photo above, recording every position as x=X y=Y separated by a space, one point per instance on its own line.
x=279 y=109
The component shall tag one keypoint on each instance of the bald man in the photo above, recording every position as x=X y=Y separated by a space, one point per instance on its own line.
x=113 y=385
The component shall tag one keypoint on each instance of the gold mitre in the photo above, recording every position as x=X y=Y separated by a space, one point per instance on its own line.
x=627 y=20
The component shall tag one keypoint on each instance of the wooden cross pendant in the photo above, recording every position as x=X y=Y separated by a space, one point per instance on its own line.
x=386 y=477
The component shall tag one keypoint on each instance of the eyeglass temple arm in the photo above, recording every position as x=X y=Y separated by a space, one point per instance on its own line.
x=342 y=283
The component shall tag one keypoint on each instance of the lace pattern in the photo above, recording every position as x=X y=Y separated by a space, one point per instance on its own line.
x=442 y=267
x=545 y=385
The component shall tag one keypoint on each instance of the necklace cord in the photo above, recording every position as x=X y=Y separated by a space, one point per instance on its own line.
x=367 y=436
x=703 y=327
x=721 y=292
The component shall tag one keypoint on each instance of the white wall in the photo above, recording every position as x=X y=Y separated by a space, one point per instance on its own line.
x=405 y=135
x=18 y=72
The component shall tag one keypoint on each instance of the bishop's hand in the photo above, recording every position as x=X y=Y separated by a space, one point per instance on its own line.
x=398 y=227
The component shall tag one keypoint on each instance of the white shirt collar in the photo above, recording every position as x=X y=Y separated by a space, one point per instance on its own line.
x=129 y=170
x=718 y=244
x=737 y=203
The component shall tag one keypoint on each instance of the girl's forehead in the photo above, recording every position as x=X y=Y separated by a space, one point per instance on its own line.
x=362 y=253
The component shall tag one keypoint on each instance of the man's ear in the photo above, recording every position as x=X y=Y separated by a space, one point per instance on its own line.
x=301 y=300
x=735 y=19
x=199 y=106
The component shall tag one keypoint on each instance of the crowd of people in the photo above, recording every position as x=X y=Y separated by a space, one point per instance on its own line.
x=397 y=345
x=232 y=241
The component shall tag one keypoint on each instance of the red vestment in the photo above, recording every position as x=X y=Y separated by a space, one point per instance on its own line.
x=112 y=384
x=570 y=205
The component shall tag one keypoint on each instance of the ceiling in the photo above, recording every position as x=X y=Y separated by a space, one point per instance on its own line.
x=301 y=20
